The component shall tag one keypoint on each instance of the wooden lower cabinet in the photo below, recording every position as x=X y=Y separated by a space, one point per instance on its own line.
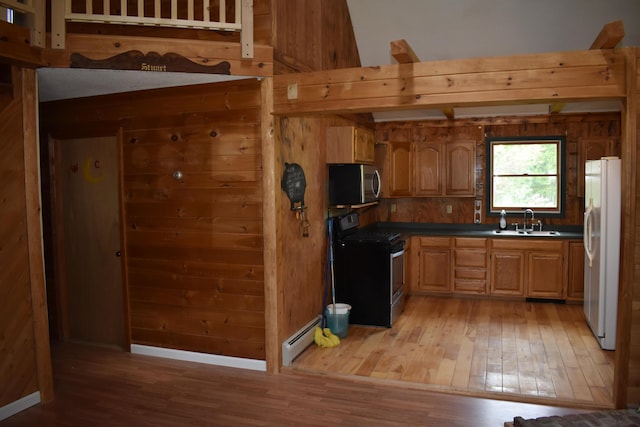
x=530 y=268
x=575 y=284
x=545 y=274
x=507 y=272
x=522 y=267
x=470 y=265
x=434 y=255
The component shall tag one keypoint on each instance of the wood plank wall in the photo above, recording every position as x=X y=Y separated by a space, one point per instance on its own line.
x=193 y=247
x=18 y=368
x=313 y=35
x=574 y=126
x=309 y=35
x=303 y=262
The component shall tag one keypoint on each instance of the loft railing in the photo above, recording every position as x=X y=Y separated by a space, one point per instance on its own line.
x=199 y=14
x=160 y=13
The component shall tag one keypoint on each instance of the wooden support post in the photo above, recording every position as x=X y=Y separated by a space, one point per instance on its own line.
x=246 y=34
x=626 y=375
x=37 y=22
x=34 y=234
x=271 y=230
x=58 y=25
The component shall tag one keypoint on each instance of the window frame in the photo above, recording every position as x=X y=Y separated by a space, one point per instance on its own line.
x=562 y=175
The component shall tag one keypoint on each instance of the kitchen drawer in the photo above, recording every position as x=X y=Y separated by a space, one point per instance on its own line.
x=526 y=244
x=470 y=242
x=470 y=274
x=470 y=258
x=472 y=287
x=440 y=242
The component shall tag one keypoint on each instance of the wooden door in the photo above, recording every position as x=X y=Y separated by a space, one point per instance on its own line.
x=88 y=240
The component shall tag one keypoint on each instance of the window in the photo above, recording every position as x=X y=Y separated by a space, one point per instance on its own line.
x=526 y=173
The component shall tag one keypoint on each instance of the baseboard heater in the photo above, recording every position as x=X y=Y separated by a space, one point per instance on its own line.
x=299 y=341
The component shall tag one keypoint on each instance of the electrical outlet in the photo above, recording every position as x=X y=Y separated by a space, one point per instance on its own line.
x=292 y=91
x=393 y=207
x=449 y=208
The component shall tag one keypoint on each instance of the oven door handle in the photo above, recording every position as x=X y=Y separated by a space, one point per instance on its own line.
x=397 y=254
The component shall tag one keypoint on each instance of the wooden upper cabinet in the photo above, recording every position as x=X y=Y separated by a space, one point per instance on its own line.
x=428 y=162
x=593 y=149
x=432 y=169
x=460 y=167
x=401 y=169
x=350 y=144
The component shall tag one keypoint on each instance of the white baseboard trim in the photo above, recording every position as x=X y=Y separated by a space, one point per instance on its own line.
x=19 y=405
x=191 y=356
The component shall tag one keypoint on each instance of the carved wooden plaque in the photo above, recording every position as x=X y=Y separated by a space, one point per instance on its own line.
x=152 y=61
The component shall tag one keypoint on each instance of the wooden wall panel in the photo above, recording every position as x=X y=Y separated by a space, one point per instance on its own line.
x=574 y=126
x=18 y=368
x=313 y=35
x=220 y=183
x=194 y=245
x=304 y=259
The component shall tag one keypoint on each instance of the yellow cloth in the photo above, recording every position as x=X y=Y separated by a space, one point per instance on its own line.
x=324 y=338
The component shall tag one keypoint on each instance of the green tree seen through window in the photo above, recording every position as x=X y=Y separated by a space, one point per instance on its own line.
x=525 y=174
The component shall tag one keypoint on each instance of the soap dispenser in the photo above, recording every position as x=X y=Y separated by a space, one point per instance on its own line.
x=503 y=220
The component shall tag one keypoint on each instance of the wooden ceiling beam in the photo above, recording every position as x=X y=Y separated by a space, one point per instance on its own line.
x=536 y=78
x=608 y=38
x=404 y=54
x=610 y=35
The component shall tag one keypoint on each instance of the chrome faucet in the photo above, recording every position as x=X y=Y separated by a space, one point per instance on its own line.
x=524 y=221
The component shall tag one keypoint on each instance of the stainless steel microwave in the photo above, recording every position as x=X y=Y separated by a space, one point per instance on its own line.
x=351 y=184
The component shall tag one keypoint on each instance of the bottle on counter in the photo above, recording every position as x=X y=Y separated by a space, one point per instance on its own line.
x=503 y=220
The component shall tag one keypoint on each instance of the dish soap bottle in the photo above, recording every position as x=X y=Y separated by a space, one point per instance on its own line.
x=503 y=220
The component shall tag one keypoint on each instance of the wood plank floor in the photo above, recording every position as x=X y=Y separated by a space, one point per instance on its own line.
x=532 y=352
x=97 y=387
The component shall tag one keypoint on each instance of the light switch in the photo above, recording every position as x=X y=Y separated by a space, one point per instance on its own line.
x=449 y=208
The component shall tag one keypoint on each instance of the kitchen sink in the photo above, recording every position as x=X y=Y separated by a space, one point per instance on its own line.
x=527 y=233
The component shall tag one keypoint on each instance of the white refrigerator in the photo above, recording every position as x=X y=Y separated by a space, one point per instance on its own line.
x=602 y=247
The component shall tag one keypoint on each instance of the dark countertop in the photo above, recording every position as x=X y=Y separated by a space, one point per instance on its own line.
x=476 y=230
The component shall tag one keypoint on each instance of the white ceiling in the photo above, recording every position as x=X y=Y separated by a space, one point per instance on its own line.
x=457 y=29
x=435 y=29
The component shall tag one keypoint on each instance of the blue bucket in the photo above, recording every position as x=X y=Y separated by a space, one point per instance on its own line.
x=338 y=322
